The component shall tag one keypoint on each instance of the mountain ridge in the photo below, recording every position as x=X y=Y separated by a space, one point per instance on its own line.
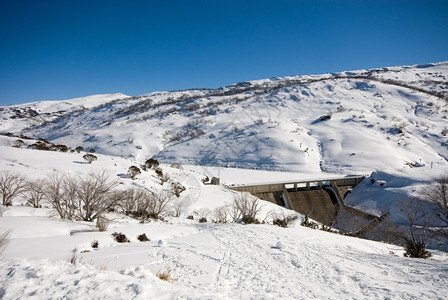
x=306 y=122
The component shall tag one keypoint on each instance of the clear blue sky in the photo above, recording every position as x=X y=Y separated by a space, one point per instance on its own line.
x=66 y=49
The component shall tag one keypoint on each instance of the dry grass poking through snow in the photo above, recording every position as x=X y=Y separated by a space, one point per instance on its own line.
x=165 y=275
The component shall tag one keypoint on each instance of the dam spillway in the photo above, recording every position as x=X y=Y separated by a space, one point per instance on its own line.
x=319 y=199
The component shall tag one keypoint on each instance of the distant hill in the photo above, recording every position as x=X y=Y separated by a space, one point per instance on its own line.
x=346 y=122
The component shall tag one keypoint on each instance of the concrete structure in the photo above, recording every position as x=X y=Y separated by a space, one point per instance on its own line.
x=320 y=199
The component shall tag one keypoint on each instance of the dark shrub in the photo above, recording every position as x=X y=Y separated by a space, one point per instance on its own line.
x=143 y=238
x=133 y=171
x=325 y=118
x=151 y=163
x=416 y=250
x=120 y=237
x=89 y=157
x=280 y=222
x=94 y=244
x=249 y=220
x=203 y=220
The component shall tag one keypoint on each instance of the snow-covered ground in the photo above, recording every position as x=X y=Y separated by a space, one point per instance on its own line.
x=390 y=124
x=205 y=260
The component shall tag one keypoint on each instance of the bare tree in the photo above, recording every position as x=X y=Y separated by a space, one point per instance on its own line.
x=202 y=213
x=11 y=185
x=131 y=200
x=437 y=193
x=94 y=195
x=60 y=192
x=34 y=194
x=415 y=234
x=178 y=208
x=155 y=205
x=221 y=213
x=249 y=206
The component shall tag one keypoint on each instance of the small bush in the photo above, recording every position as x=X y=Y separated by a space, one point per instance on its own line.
x=203 y=220
x=177 y=166
x=416 y=250
x=151 y=163
x=133 y=171
x=325 y=117
x=120 y=237
x=102 y=223
x=190 y=217
x=74 y=258
x=143 y=238
x=280 y=222
x=220 y=214
x=177 y=188
x=249 y=220
x=94 y=244
x=165 y=275
x=89 y=157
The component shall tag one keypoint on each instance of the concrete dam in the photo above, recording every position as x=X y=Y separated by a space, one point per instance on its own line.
x=320 y=199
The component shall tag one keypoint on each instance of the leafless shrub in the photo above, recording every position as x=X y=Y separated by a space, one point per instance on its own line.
x=102 y=223
x=11 y=185
x=202 y=214
x=220 y=214
x=248 y=206
x=131 y=200
x=437 y=193
x=4 y=239
x=95 y=195
x=163 y=177
x=34 y=194
x=283 y=218
x=178 y=208
x=415 y=234
x=60 y=192
x=84 y=198
x=154 y=205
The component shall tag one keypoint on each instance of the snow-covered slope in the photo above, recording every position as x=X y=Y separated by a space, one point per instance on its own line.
x=390 y=121
x=347 y=122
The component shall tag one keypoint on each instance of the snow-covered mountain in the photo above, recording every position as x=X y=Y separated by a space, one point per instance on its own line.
x=347 y=122
x=390 y=121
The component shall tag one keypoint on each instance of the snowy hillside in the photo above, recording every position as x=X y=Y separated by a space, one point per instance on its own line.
x=390 y=124
x=219 y=261
x=348 y=122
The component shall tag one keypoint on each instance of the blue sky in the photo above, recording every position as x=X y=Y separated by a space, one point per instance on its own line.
x=65 y=49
